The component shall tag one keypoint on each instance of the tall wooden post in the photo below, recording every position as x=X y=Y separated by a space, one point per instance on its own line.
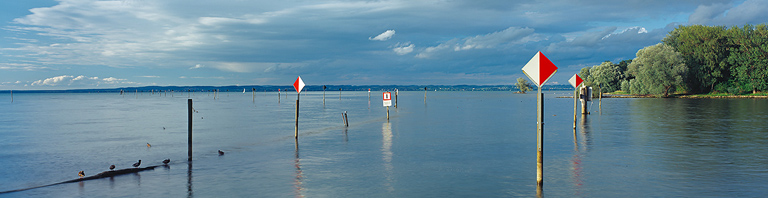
x=396 y=92
x=253 y=92
x=296 y=131
x=575 y=97
x=540 y=139
x=189 y=130
x=11 y=96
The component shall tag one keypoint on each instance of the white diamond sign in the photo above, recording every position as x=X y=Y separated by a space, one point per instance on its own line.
x=539 y=69
x=299 y=84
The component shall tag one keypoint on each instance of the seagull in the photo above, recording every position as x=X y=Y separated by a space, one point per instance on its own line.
x=112 y=167
x=221 y=152
x=137 y=164
x=81 y=174
x=166 y=161
x=148 y=145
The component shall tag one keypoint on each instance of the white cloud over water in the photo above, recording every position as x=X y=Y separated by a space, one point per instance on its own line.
x=267 y=42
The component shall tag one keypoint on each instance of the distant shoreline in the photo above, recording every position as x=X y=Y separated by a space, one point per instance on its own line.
x=678 y=96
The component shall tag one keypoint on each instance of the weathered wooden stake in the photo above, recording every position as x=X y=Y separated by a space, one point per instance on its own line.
x=11 y=96
x=296 y=131
x=278 y=95
x=346 y=119
x=189 y=130
x=540 y=139
x=396 y=92
x=339 y=93
x=253 y=92
x=387 y=112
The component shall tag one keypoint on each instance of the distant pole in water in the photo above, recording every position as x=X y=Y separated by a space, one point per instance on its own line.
x=189 y=129
x=575 y=81
x=11 y=96
x=137 y=94
x=253 y=91
x=425 y=95
x=345 y=119
x=299 y=84
x=396 y=92
x=278 y=95
x=339 y=93
x=324 y=94
x=369 y=94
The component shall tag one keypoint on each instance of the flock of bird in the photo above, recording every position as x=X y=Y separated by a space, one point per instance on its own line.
x=137 y=164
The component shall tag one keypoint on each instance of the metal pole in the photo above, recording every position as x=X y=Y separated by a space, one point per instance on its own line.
x=189 y=130
x=540 y=139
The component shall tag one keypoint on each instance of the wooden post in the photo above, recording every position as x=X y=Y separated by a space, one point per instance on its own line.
x=278 y=95
x=396 y=92
x=323 y=94
x=346 y=119
x=296 y=131
x=189 y=130
x=600 y=99
x=339 y=93
x=387 y=112
x=11 y=96
x=540 y=139
x=575 y=97
x=425 y=95
x=253 y=91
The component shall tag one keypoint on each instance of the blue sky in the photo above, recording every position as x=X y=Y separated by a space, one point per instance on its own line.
x=72 y=44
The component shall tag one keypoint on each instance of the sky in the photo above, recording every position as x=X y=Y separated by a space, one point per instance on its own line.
x=75 y=44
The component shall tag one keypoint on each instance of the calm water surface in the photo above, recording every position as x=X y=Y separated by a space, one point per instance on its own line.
x=456 y=144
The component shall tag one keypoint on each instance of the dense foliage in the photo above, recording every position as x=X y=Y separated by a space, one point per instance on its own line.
x=523 y=85
x=700 y=59
x=658 y=70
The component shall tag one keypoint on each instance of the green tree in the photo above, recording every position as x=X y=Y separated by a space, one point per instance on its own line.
x=523 y=85
x=705 y=51
x=749 y=57
x=606 y=76
x=658 y=70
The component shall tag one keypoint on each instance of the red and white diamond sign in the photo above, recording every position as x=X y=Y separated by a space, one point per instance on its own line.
x=539 y=69
x=575 y=81
x=299 y=84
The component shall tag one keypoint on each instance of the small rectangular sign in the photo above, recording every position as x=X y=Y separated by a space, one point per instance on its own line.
x=387 y=97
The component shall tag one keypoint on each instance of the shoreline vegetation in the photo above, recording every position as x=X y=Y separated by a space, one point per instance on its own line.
x=623 y=94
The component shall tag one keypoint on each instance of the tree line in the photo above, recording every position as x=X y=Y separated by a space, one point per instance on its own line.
x=691 y=59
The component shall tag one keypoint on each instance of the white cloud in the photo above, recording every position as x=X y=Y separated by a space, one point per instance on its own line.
x=509 y=36
x=198 y=66
x=750 y=11
x=383 y=36
x=79 y=81
x=403 y=49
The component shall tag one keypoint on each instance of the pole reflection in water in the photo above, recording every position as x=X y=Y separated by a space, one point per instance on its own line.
x=386 y=152
x=298 y=183
x=189 y=180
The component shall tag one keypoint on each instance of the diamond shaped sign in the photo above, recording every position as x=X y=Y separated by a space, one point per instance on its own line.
x=299 y=84
x=575 y=81
x=539 y=69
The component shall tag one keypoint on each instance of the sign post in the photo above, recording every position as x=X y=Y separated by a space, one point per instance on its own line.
x=387 y=101
x=575 y=82
x=299 y=84
x=539 y=69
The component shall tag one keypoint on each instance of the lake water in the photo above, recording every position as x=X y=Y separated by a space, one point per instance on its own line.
x=456 y=144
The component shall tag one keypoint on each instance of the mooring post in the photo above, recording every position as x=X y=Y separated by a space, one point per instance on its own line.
x=11 y=96
x=339 y=93
x=387 y=112
x=296 y=131
x=253 y=91
x=540 y=139
x=396 y=92
x=346 y=119
x=278 y=95
x=189 y=130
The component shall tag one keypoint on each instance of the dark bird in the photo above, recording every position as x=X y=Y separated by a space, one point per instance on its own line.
x=137 y=164
x=166 y=161
x=221 y=152
x=148 y=145
x=112 y=167
x=81 y=174
x=163 y=128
